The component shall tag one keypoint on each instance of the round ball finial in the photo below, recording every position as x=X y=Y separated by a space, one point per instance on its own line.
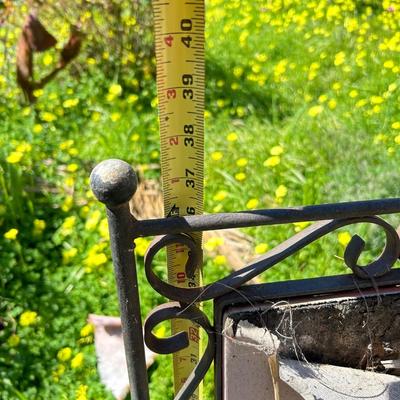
x=113 y=182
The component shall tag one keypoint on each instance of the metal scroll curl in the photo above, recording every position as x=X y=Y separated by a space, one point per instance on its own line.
x=216 y=289
x=180 y=340
x=187 y=297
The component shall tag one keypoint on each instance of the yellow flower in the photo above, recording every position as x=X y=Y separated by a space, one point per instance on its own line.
x=15 y=157
x=220 y=259
x=337 y=86
x=396 y=125
x=339 y=58
x=64 y=354
x=344 y=238
x=261 y=248
x=72 y=167
x=281 y=191
x=115 y=116
x=241 y=162
x=135 y=137
x=95 y=260
x=276 y=151
x=93 y=220
x=361 y=103
x=213 y=243
x=252 y=203
x=221 y=195
x=332 y=104
x=69 y=254
x=77 y=361
x=11 y=234
x=81 y=393
x=58 y=372
x=69 y=103
x=380 y=138
x=240 y=176
x=397 y=139
x=66 y=145
x=141 y=246
x=353 y=93
x=315 y=110
x=217 y=208
x=37 y=128
x=28 y=318
x=67 y=203
x=38 y=92
x=280 y=69
x=389 y=64
x=24 y=147
x=132 y=98
x=216 y=155
x=154 y=102
x=27 y=111
x=96 y=116
x=84 y=211
x=87 y=330
x=298 y=226
x=238 y=72
x=376 y=109
x=13 y=340
x=39 y=226
x=91 y=61
x=47 y=59
x=272 y=161
x=103 y=229
x=67 y=225
x=376 y=100
x=115 y=89
x=161 y=331
x=240 y=111
x=69 y=181
x=48 y=116
x=232 y=137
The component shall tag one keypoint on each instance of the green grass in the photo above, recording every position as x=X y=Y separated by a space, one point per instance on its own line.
x=312 y=87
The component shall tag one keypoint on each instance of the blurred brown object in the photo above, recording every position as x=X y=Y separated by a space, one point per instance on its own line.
x=36 y=35
x=35 y=38
x=73 y=46
x=110 y=354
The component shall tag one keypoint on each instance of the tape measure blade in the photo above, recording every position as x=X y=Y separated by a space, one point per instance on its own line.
x=179 y=36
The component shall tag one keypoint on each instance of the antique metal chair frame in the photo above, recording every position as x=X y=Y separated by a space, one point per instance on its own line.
x=114 y=183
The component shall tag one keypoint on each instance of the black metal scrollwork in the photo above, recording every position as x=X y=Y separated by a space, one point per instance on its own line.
x=180 y=340
x=189 y=296
x=216 y=289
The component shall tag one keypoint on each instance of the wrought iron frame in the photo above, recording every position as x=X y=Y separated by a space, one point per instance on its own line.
x=114 y=183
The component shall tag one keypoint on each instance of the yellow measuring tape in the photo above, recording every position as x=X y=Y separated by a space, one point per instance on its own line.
x=179 y=36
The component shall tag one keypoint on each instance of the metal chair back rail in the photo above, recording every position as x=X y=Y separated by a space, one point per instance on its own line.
x=114 y=183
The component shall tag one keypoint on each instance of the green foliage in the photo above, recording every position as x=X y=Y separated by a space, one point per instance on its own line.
x=302 y=108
